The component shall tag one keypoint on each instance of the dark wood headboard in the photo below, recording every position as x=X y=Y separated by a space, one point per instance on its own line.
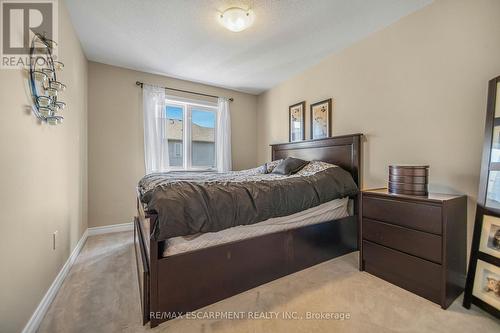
x=344 y=151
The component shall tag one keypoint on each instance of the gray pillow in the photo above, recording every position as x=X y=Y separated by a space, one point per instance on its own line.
x=289 y=166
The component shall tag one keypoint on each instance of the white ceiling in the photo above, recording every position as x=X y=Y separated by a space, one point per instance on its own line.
x=182 y=38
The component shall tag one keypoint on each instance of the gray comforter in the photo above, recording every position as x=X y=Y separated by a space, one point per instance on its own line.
x=189 y=203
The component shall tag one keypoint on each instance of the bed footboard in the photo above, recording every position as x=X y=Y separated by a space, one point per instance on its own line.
x=189 y=281
x=142 y=269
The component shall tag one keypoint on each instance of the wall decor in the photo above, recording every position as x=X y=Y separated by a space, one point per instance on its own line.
x=321 y=119
x=490 y=236
x=408 y=179
x=296 y=121
x=483 y=278
x=44 y=85
x=487 y=284
x=484 y=262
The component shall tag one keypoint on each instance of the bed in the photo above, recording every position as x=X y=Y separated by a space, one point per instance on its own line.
x=179 y=275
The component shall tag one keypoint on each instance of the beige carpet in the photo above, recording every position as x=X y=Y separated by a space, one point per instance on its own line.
x=101 y=295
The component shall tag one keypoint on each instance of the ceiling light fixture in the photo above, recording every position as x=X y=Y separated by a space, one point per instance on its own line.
x=236 y=19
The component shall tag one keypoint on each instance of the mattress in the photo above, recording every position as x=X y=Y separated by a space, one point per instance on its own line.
x=331 y=210
x=188 y=203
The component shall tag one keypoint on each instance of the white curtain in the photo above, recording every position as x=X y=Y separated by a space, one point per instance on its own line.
x=155 y=129
x=223 y=136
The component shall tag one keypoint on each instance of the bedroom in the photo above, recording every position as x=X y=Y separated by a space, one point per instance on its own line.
x=398 y=82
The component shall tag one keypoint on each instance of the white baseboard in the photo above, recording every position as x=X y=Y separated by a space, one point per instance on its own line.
x=41 y=310
x=111 y=228
x=43 y=307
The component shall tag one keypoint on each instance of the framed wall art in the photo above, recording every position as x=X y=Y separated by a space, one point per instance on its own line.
x=321 y=119
x=487 y=284
x=483 y=278
x=296 y=122
x=490 y=236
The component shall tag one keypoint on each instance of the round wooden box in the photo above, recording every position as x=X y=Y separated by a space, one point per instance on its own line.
x=409 y=179
x=409 y=170
x=405 y=188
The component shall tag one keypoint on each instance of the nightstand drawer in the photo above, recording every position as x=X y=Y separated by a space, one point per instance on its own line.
x=411 y=273
x=417 y=243
x=417 y=216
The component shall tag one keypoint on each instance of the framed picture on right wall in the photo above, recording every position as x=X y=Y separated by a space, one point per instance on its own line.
x=487 y=284
x=490 y=236
x=483 y=278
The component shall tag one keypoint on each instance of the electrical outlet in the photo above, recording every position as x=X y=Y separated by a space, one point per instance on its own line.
x=54 y=240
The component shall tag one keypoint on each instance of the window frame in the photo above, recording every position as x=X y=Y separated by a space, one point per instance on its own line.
x=187 y=106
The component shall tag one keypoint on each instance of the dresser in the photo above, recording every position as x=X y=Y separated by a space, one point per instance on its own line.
x=417 y=243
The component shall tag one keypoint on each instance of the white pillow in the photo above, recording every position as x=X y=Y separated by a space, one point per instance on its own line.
x=314 y=167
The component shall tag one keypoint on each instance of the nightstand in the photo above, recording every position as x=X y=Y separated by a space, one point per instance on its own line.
x=417 y=243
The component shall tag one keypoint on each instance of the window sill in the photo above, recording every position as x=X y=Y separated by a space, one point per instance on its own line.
x=192 y=170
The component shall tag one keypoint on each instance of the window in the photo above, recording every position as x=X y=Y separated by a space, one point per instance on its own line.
x=178 y=149
x=191 y=134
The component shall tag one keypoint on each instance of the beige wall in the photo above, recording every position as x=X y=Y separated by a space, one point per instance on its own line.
x=416 y=89
x=116 y=137
x=43 y=173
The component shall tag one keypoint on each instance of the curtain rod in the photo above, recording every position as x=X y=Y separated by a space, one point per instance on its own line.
x=139 y=83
